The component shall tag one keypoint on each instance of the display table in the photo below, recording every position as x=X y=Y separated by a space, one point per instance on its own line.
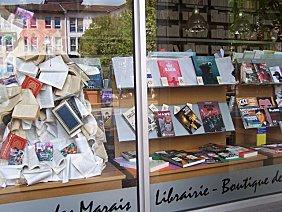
x=173 y=173
x=110 y=179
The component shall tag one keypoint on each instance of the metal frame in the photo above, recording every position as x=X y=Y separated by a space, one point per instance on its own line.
x=141 y=105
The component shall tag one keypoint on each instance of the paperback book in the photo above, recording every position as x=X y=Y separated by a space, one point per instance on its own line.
x=206 y=70
x=44 y=151
x=266 y=102
x=12 y=141
x=247 y=102
x=249 y=117
x=242 y=151
x=170 y=69
x=211 y=116
x=106 y=97
x=70 y=149
x=164 y=124
x=180 y=158
x=188 y=119
x=129 y=116
x=275 y=115
x=276 y=74
x=263 y=73
x=249 y=74
x=33 y=84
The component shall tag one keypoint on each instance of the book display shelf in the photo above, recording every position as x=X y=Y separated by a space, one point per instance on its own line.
x=267 y=95
x=190 y=90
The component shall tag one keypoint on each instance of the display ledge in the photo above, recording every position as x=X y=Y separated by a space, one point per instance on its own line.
x=126 y=133
x=110 y=179
x=173 y=173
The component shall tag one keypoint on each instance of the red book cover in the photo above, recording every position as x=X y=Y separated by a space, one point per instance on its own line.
x=33 y=84
x=12 y=142
x=171 y=70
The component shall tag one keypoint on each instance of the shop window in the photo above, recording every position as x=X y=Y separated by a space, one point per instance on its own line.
x=58 y=43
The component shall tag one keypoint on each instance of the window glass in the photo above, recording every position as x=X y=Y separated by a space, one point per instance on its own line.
x=33 y=22
x=57 y=22
x=73 y=44
x=79 y=25
x=33 y=43
x=72 y=25
x=26 y=44
x=48 y=22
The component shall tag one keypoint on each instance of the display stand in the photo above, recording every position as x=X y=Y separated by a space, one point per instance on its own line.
x=125 y=136
x=111 y=178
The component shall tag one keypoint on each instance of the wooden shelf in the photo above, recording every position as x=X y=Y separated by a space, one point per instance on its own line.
x=172 y=174
x=110 y=179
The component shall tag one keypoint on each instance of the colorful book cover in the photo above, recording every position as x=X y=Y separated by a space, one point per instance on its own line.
x=275 y=115
x=181 y=158
x=44 y=151
x=16 y=157
x=276 y=74
x=170 y=69
x=70 y=149
x=9 y=80
x=247 y=102
x=106 y=97
x=33 y=84
x=211 y=116
x=264 y=75
x=95 y=81
x=12 y=142
x=188 y=119
x=164 y=123
x=266 y=102
x=249 y=74
x=206 y=70
x=249 y=117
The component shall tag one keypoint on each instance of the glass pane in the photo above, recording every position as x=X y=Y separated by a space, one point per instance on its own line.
x=64 y=119
x=213 y=70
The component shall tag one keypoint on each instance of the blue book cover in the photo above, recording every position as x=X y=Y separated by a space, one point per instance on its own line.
x=206 y=69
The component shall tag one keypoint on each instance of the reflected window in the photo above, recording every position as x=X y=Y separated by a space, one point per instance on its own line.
x=72 y=25
x=72 y=44
x=57 y=22
x=33 y=23
x=79 y=25
x=48 y=21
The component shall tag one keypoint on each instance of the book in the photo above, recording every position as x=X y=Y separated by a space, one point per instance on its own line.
x=16 y=157
x=70 y=149
x=33 y=84
x=131 y=156
x=107 y=113
x=44 y=151
x=188 y=119
x=242 y=151
x=170 y=69
x=211 y=116
x=210 y=157
x=247 y=102
x=99 y=119
x=275 y=116
x=215 y=148
x=12 y=141
x=227 y=155
x=206 y=70
x=154 y=165
x=106 y=97
x=276 y=74
x=95 y=81
x=129 y=116
x=249 y=118
x=266 y=102
x=164 y=123
x=263 y=73
x=180 y=158
x=249 y=74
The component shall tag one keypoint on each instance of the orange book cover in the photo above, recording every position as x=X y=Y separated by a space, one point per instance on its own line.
x=33 y=84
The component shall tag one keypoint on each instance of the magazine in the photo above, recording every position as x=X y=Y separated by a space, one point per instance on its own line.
x=263 y=73
x=247 y=102
x=170 y=69
x=276 y=74
x=249 y=74
x=275 y=115
x=249 y=117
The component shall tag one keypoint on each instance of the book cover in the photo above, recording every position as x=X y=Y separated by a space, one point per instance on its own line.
x=70 y=149
x=107 y=114
x=170 y=69
x=16 y=157
x=164 y=123
x=266 y=102
x=275 y=115
x=188 y=119
x=276 y=74
x=227 y=155
x=242 y=151
x=180 y=158
x=206 y=70
x=211 y=116
x=129 y=116
x=210 y=157
x=247 y=102
x=249 y=74
x=33 y=84
x=99 y=119
x=264 y=75
x=106 y=97
x=11 y=142
x=44 y=151
x=210 y=147
x=95 y=81
x=131 y=156
x=249 y=118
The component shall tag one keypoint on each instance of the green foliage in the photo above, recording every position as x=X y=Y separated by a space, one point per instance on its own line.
x=112 y=35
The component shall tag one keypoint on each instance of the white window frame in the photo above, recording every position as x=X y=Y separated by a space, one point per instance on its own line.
x=26 y=45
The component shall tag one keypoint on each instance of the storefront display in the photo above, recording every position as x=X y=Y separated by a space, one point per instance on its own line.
x=71 y=117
